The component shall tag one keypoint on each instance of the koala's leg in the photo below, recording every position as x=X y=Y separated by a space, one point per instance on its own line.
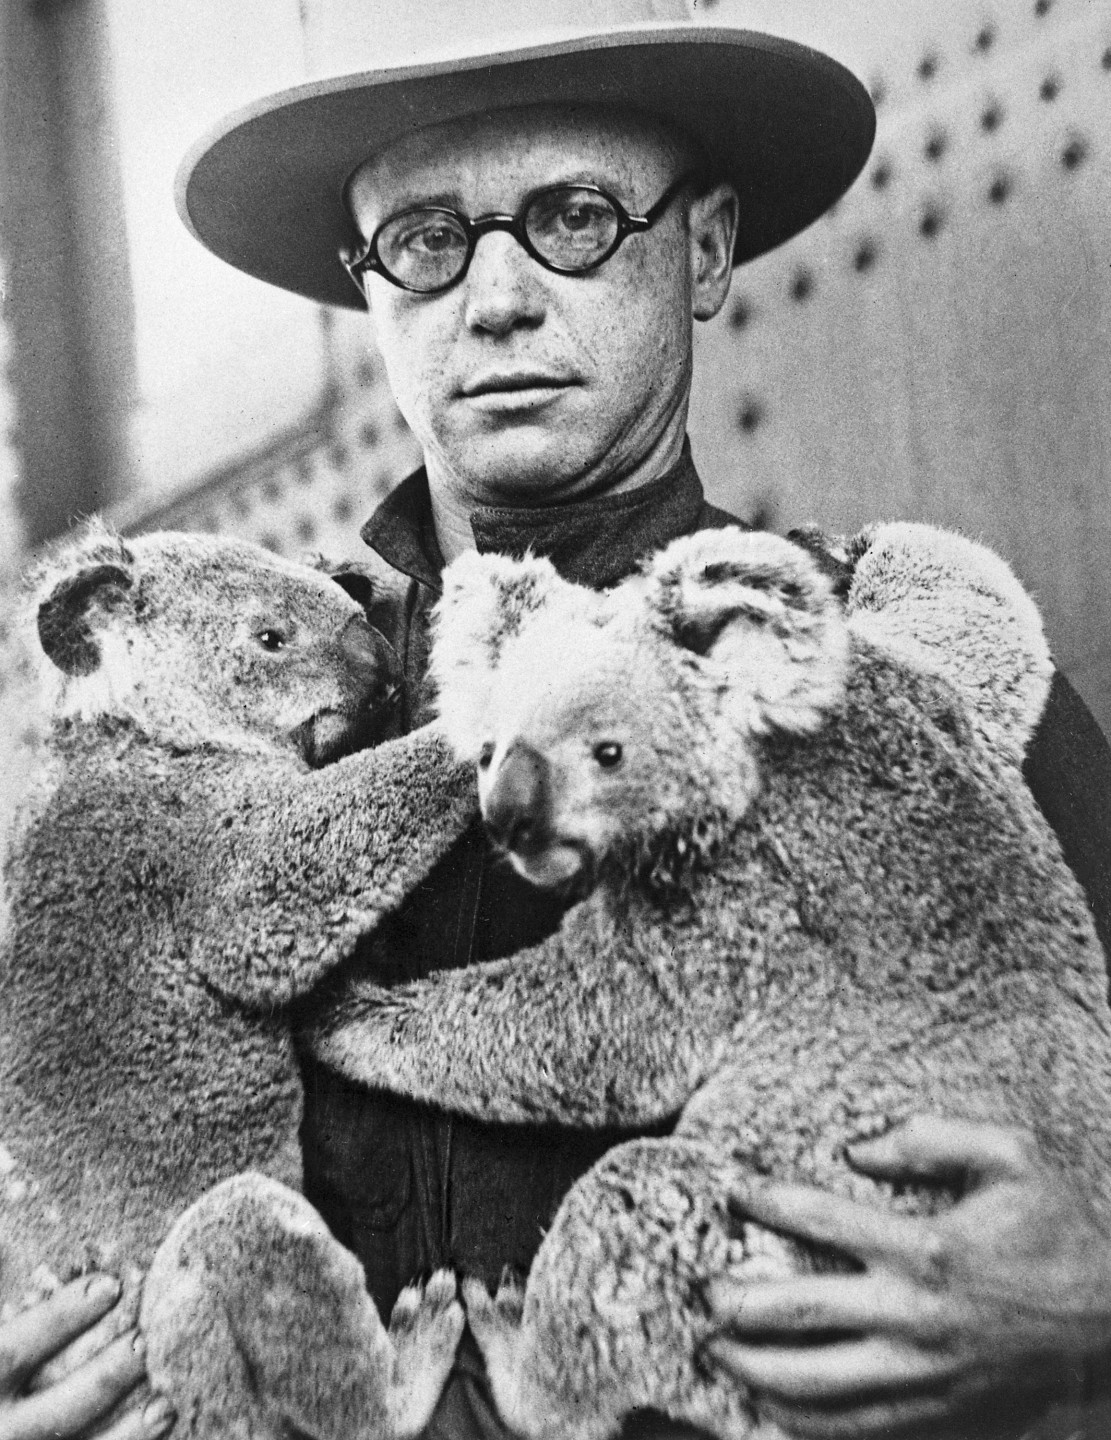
x=613 y=1316
x=259 y=1326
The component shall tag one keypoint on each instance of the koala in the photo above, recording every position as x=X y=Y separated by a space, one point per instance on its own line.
x=208 y=840
x=815 y=897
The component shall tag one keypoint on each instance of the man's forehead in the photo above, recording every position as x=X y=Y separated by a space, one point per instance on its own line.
x=525 y=146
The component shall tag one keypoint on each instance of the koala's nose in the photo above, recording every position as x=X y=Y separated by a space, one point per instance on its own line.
x=515 y=807
x=371 y=660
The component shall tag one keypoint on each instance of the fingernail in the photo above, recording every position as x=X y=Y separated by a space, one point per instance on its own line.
x=138 y=1346
x=159 y=1415
x=102 y=1289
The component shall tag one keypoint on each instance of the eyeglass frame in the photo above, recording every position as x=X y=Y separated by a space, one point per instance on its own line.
x=357 y=264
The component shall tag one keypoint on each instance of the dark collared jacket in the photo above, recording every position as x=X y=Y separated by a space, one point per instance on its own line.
x=409 y=1188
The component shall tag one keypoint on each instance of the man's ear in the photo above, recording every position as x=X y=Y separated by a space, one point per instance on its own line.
x=487 y=600
x=762 y=616
x=75 y=610
x=712 y=226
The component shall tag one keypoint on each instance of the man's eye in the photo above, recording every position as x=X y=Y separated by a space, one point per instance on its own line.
x=272 y=639
x=577 y=216
x=433 y=237
x=608 y=754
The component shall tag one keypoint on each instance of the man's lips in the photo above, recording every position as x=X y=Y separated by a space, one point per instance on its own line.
x=513 y=382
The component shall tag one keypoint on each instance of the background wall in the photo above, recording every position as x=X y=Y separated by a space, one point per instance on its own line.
x=936 y=348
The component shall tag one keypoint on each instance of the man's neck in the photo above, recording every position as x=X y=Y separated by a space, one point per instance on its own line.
x=453 y=504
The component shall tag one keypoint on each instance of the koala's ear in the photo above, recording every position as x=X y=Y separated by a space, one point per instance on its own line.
x=379 y=603
x=487 y=600
x=70 y=615
x=760 y=609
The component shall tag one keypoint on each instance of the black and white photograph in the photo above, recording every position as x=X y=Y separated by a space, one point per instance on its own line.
x=555 y=666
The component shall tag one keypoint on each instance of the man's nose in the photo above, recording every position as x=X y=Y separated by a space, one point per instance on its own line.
x=504 y=286
x=515 y=807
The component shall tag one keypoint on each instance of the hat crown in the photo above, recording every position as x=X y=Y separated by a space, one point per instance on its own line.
x=354 y=35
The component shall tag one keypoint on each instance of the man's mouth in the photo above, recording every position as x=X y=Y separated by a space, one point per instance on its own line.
x=513 y=382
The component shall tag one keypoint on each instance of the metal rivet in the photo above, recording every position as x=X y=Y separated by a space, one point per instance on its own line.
x=1049 y=89
x=866 y=256
x=931 y=222
x=881 y=175
x=927 y=67
x=935 y=146
x=802 y=286
x=752 y=413
x=741 y=315
x=985 y=39
x=992 y=117
x=999 y=189
x=1074 y=153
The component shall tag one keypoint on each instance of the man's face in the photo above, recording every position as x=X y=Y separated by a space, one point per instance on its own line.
x=520 y=382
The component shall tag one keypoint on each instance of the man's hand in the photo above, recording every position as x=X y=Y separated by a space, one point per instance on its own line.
x=987 y=1311
x=88 y=1394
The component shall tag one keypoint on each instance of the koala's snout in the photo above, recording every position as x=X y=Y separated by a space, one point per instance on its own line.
x=515 y=808
x=373 y=665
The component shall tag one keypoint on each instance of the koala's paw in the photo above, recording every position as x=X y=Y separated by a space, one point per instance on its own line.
x=497 y=1325
x=425 y=1329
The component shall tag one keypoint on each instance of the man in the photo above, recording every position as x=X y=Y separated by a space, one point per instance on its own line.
x=532 y=261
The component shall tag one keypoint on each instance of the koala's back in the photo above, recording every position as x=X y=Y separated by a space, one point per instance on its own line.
x=128 y=1084
x=919 y=944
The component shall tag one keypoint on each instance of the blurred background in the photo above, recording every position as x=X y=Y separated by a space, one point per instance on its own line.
x=936 y=348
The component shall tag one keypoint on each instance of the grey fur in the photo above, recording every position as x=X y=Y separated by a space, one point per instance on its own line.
x=182 y=875
x=862 y=915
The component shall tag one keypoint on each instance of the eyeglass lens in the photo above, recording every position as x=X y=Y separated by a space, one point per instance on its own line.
x=569 y=227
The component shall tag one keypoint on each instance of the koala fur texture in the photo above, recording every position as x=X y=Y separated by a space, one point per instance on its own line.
x=189 y=866
x=818 y=898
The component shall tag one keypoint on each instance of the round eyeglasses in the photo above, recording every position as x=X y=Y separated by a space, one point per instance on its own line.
x=571 y=229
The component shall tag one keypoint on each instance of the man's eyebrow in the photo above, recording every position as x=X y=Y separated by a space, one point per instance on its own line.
x=452 y=200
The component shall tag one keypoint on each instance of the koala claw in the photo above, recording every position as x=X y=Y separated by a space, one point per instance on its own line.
x=497 y=1325
x=425 y=1328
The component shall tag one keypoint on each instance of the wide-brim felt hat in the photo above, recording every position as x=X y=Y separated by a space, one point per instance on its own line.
x=790 y=127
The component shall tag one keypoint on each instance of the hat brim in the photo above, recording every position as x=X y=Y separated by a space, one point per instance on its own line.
x=790 y=127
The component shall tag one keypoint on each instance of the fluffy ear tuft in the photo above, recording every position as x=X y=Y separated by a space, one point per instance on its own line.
x=76 y=591
x=759 y=609
x=950 y=605
x=487 y=600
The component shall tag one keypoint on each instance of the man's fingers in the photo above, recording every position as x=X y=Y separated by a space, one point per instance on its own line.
x=830 y=1374
x=153 y=1420
x=928 y=1147
x=815 y=1305
x=86 y=1395
x=862 y=1231
x=30 y=1338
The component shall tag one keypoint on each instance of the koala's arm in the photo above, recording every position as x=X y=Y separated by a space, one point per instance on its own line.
x=294 y=867
x=954 y=607
x=576 y=1030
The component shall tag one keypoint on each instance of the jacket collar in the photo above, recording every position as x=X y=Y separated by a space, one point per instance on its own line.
x=594 y=541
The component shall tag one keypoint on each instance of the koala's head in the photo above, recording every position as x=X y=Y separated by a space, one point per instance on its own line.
x=600 y=723
x=200 y=640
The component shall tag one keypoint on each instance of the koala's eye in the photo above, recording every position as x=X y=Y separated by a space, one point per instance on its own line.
x=608 y=754
x=485 y=755
x=272 y=640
